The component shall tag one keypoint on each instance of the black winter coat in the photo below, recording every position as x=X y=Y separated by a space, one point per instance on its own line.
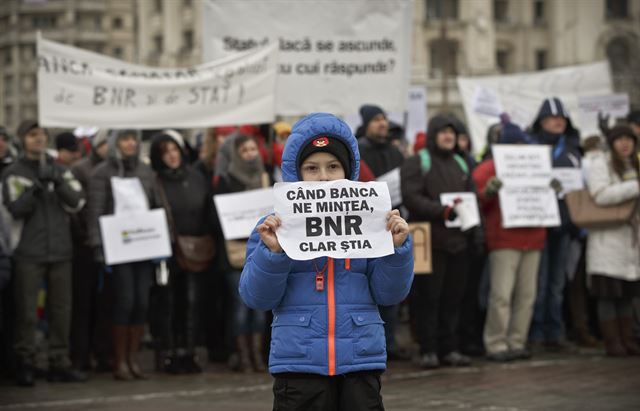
x=380 y=157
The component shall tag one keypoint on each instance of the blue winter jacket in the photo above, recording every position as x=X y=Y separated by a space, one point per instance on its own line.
x=337 y=330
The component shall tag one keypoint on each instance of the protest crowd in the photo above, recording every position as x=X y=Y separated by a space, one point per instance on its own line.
x=503 y=294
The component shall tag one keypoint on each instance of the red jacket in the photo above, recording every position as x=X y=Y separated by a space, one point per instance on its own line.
x=496 y=236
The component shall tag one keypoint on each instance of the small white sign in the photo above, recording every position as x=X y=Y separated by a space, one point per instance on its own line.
x=570 y=178
x=239 y=212
x=487 y=102
x=612 y=105
x=392 y=178
x=128 y=195
x=465 y=206
x=339 y=219
x=529 y=207
x=523 y=165
x=135 y=237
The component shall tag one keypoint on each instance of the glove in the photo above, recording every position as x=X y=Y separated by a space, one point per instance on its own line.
x=556 y=185
x=49 y=173
x=603 y=122
x=450 y=214
x=493 y=186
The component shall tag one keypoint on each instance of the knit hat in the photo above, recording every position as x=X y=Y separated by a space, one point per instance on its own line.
x=512 y=134
x=620 y=131
x=25 y=127
x=66 y=141
x=327 y=144
x=368 y=112
x=100 y=138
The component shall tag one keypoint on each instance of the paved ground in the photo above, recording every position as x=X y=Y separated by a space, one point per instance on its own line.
x=578 y=381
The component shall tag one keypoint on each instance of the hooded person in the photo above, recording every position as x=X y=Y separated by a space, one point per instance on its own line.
x=130 y=281
x=315 y=329
x=39 y=194
x=436 y=299
x=188 y=202
x=553 y=127
x=514 y=256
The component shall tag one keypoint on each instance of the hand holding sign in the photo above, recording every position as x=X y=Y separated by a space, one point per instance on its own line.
x=398 y=227
x=267 y=231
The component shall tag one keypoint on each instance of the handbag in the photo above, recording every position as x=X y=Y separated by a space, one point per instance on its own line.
x=585 y=213
x=192 y=253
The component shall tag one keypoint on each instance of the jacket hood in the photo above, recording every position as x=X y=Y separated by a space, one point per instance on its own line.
x=437 y=123
x=305 y=130
x=112 y=141
x=154 y=152
x=553 y=107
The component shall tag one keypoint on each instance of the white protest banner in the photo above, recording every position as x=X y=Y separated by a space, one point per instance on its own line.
x=239 y=212
x=135 y=237
x=326 y=48
x=416 y=113
x=522 y=94
x=487 y=102
x=570 y=178
x=466 y=206
x=82 y=88
x=526 y=198
x=612 y=105
x=339 y=219
x=392 y=178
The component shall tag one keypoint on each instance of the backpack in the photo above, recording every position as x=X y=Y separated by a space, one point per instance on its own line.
x=425 y=161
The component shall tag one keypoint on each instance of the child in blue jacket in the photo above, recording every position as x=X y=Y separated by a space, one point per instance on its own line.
x=327 y=344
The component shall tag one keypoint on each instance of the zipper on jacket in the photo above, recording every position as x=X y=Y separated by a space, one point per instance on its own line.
x=331 y=305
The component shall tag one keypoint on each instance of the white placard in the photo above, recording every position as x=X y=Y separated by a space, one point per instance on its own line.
x=339 y=219
x=613 y=105
x=128 y=196
x=416 y=113
x=135 y=237
x=239 y=212
x=526 y=198
x=392 y=178
x=326 y=47
x=486 y=101
x=571 y=179
x=466 y=209
x=81 y=88
x=522 y=94
x=523 y=165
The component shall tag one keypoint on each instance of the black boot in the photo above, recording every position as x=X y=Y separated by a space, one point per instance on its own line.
x=25 y=374
x=66 y=374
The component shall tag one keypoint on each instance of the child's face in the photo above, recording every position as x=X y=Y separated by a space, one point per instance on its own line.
x=321 y=167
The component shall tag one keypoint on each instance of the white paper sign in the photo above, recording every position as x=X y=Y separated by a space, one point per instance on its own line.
x=392 y=178
x=135 y=237
x=416 y=114
x=526 y=198
x=613 y=105
x=128 y=196
x=339 y=219
x=487 y=102
x=326 y=48
x=81 y=88
x=571 y=179
x=466 y=209
x=239 y=212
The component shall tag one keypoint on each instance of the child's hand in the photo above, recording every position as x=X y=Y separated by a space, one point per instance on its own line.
x=398 y=227
x=267 y=231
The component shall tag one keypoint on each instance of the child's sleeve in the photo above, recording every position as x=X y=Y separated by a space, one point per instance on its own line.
x=264 y=277
x=390 y=277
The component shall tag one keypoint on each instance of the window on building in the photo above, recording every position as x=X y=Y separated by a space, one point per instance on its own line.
x=43 y=21
x=443 y=56
x=8 y=56
x=541 y=59
x=8 y=85
x=539 y=14
x=27 y=52
x=27 y=83
x=619 y=54
x=158 y=44
x=438 y=9
x=501 y=11
x=158 y=6
x=187 y=40
x=97 y=22
x=617 y=9
x=117 y=23
x=502 y=61
x=118 y=52
x=8 y=114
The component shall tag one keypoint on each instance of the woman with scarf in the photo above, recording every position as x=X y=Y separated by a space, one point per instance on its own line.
x=613 y=253
x=246 y=172
x=188 y=201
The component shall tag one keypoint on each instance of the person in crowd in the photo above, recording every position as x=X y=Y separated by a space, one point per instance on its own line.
x=379 y=156
x=40 y=194
x=633 y=120
x=613 y=253
x=398 y=139
x=188 y=201
x=7 y=151
x=554 y=128
x=514 y=256
x=465 y=146
x=88 y=321
x=281 y=132
x=130 y=281
x=206 y=164
x=436 y=298
x=68 y=149
x=225 y=152
x=312 y=353
x=246 y=172
x=493 y=134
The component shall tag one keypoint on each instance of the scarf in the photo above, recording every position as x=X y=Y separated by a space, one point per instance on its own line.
x=249 y=173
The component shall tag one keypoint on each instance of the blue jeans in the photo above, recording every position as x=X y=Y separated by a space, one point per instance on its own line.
x=547 y=323
x=244 y=320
